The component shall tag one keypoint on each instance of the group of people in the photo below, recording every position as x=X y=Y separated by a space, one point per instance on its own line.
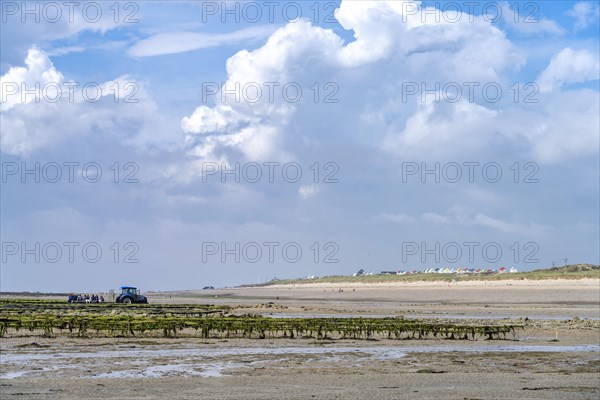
x=85 y=298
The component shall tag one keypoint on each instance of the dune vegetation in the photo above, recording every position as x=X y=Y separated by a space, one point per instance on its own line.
x=578 y=271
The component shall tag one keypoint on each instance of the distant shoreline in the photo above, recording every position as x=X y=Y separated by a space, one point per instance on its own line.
x=573 y=275
x=571 y=272
x=555 y=282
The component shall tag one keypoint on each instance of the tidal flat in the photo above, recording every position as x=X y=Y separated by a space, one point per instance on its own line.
x=555 y=354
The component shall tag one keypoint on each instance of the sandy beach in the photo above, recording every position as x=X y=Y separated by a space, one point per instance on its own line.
x=557 y=355
x=540 y=299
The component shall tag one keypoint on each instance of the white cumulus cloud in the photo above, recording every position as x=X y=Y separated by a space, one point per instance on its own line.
x=569 y=66
x=55 y=109
x=586 y=13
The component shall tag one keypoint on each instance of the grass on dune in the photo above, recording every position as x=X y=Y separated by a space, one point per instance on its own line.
x=579 y=271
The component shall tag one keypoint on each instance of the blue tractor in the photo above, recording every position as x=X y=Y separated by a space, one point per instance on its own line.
x=131 y=295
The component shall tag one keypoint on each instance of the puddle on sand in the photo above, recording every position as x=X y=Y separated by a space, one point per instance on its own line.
x=205 y=362
x=13 y=375
x=501 y=317
x=188 y=352
x=161 y=371
x=190 y=361
x=426 y=315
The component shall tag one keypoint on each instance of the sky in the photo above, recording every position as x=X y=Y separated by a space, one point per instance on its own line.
x=177 y=145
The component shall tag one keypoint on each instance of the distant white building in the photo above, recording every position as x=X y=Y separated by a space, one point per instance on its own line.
x=513 y=270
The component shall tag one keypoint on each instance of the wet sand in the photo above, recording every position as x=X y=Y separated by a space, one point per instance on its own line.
x=299 y=369
x=536 y=366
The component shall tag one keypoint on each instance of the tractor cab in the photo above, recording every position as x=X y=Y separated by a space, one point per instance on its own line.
x=130 y=294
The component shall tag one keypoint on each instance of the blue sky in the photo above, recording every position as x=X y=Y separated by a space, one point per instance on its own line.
x=362 y=122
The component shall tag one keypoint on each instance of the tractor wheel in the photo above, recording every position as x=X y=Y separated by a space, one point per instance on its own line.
x=126 y=300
